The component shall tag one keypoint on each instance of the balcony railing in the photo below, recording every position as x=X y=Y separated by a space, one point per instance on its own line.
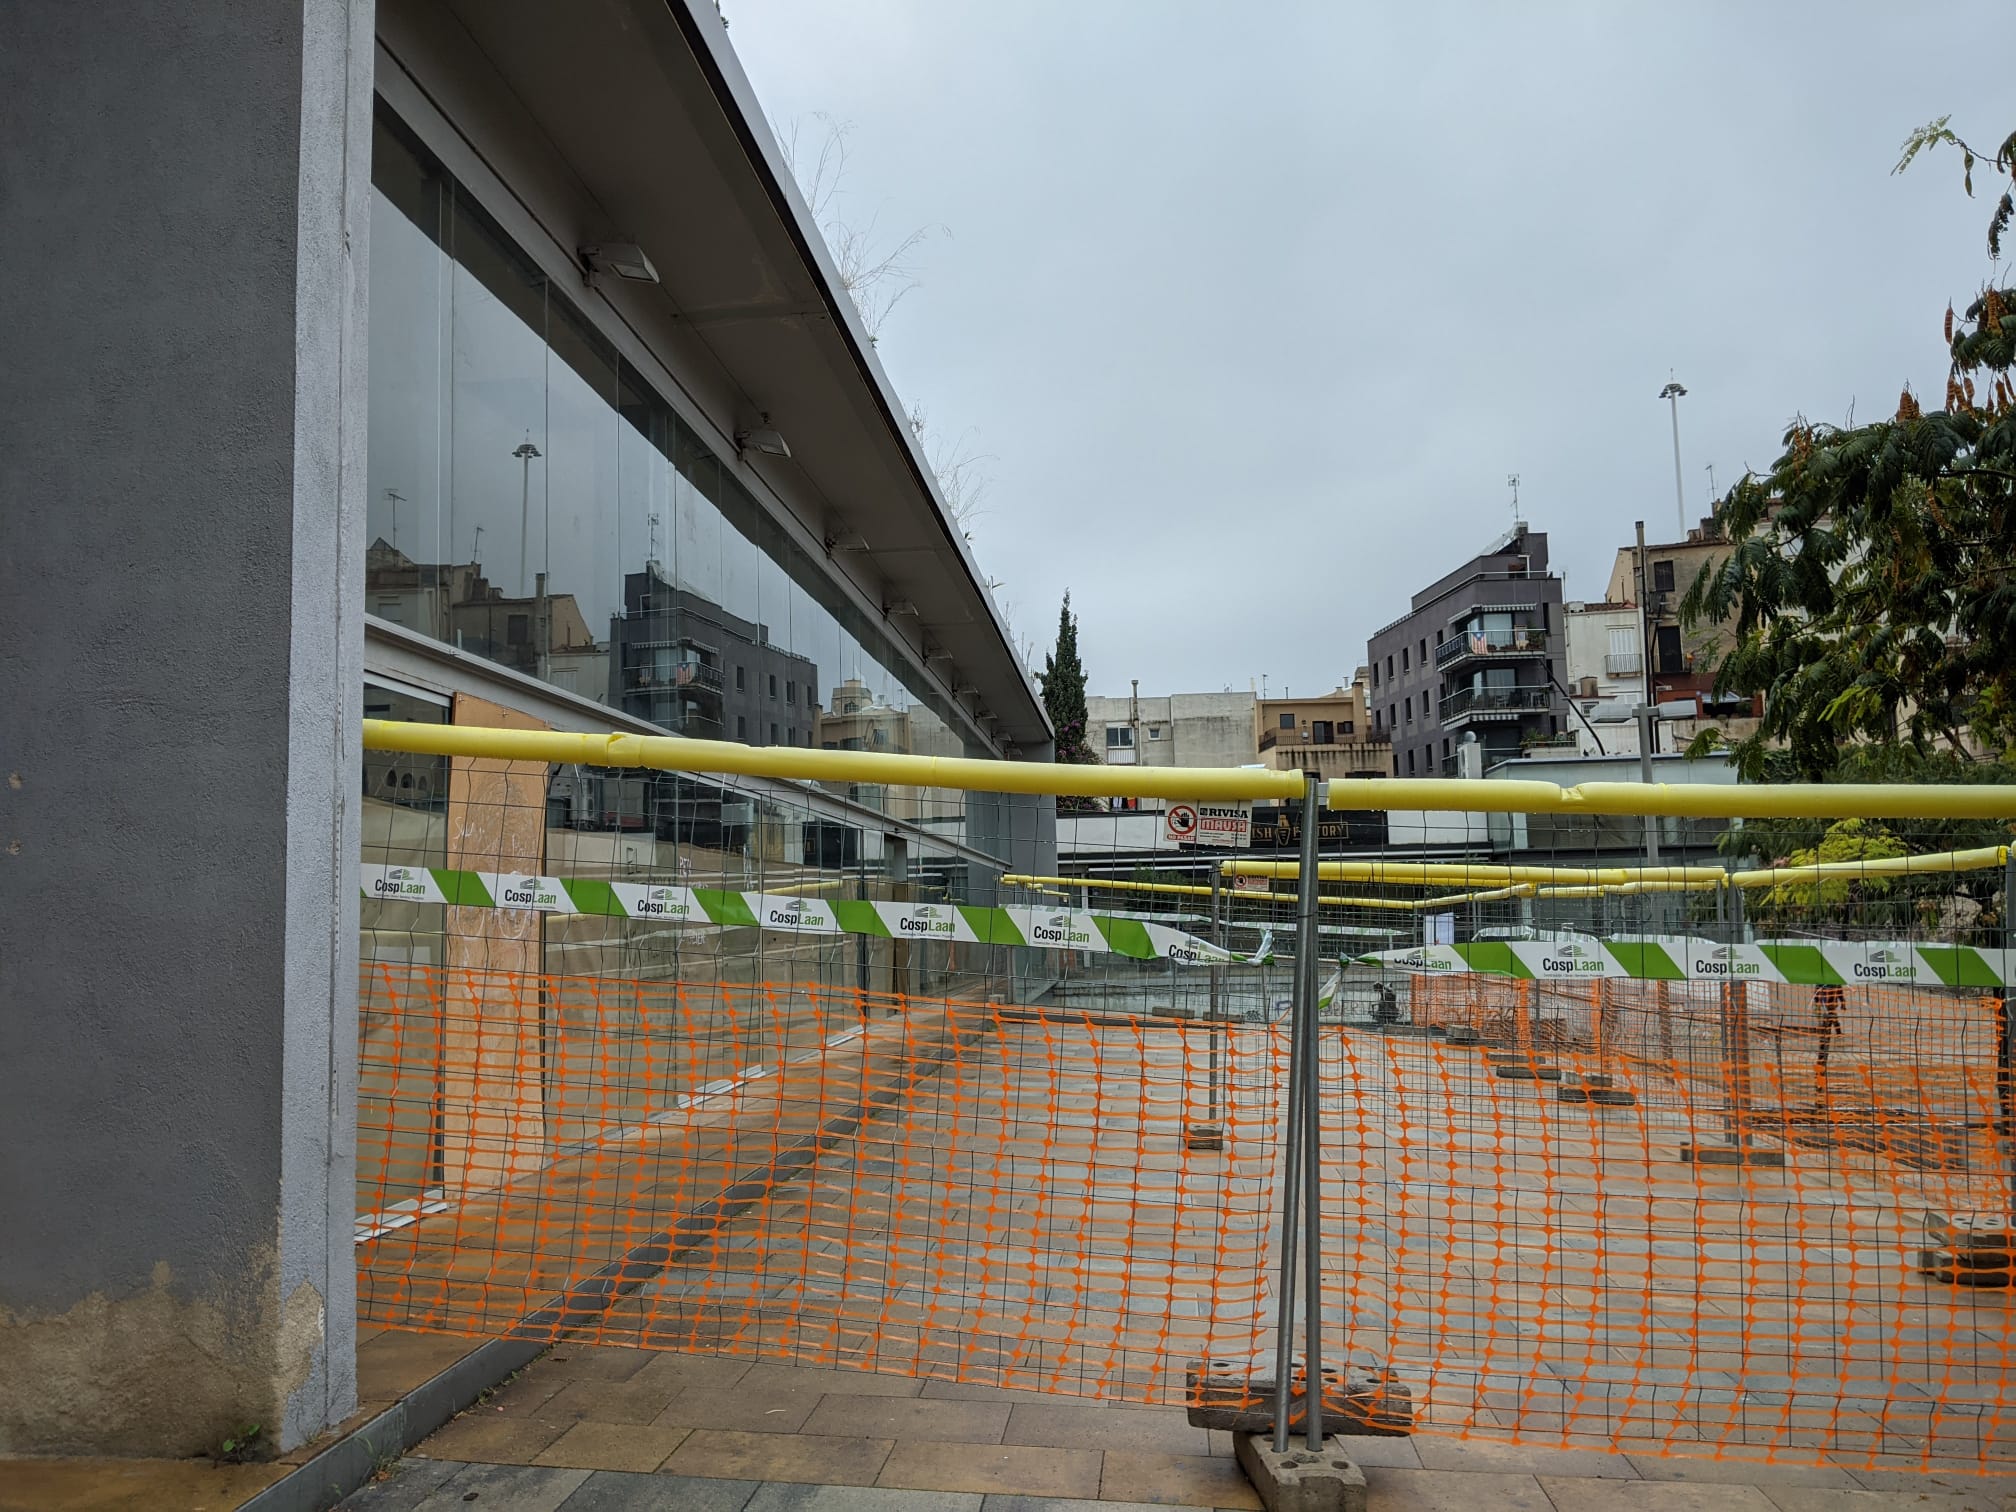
x=695 y=675
x=1518 y=642
x=1504 y=703
x=1624 y=664
x=1269 y=739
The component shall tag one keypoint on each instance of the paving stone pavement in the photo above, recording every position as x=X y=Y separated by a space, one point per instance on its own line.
x=625 y=1430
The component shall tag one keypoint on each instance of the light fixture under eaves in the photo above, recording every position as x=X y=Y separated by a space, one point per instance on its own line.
x=764 y=440
x=619 y=260
x=900 y=606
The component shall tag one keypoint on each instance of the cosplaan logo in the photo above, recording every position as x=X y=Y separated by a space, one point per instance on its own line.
x=791 y=916
x=402 y=882
x=925 y=922
x=1571 y=959
x=662 y=903
x=1885 y=963
x=1722 y=961
x=529 y=892
x=1063 y=932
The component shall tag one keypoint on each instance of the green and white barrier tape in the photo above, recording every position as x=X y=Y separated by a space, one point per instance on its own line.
x=1040 y=928
x=1677 y=958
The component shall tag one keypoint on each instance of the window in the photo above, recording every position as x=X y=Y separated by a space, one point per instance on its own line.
x=1662 y=577
x=1389 y=678
x=1154 y=732
x=791 y=693
x=1319 y=732
x=741 y=679
x=1666 y=649
x=1347 y=727
x=1407 y=704
x=773 y=728
x=1287 y=721
x=1445 y=747
x=1424 y=650
x=1403 y=658
x=1410 y=763
x=741 y=727
x=773 y=685
x=1375 y=672
x=1119 y=737
x=1393 y=719
x=517 y=629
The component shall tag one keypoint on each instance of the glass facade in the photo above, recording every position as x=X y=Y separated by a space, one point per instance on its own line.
x=533 y=500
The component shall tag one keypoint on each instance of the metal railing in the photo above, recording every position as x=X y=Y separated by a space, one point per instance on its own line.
x=1521 y=641
x=1470 y=702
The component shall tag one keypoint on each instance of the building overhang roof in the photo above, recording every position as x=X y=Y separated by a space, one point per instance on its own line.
x=647 y=105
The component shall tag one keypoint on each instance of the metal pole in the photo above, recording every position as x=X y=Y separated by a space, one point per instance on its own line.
x=2006 y=1051
x=1672 y=393
x=1739 y=1027
x=1291 y=1209
x=1302 y=1051
x=1645 y=727
x=1217 y=1001
x=1312 y=1143
x=1645 y=711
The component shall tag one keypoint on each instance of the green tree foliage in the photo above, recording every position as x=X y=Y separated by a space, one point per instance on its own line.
x=1063 y=680
x=1871 y=577
x=1928 y=901
x=1844 y=840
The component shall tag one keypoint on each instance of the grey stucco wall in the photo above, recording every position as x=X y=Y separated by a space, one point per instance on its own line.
x=180 y=632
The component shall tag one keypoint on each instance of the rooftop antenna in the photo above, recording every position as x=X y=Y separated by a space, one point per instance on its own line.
x=651 y=553
x=476 y=549
x=1711 y=483
x=397 y=499
x=1512 y=482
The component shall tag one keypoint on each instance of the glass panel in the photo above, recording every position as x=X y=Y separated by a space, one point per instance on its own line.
x=534 y=500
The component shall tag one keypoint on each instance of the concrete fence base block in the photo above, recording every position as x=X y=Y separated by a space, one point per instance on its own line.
x=1237 y=1396
x=1204 y=1137
x=1301 y=1479
x=1730 y=1155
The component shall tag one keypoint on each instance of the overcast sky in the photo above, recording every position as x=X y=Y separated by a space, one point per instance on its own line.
x=1251 y=309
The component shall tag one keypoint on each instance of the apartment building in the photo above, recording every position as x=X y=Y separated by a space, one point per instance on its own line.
x=1480 y=653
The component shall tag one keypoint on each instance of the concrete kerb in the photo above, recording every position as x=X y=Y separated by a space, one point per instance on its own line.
x=350 y=1462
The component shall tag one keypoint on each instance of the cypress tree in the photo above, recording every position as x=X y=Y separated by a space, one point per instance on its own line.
x=1064 y=691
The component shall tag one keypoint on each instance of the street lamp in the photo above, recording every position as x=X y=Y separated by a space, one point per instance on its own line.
x=1672 y=394
x=525 y=452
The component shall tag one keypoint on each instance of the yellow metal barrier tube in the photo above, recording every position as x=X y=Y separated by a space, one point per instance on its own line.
x=1813 y=800
x=672 y=753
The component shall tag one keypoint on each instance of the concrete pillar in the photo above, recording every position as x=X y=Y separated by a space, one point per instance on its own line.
x=185 y=194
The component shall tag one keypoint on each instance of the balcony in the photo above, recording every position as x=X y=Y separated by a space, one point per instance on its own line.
x=1462 y=647
x=1269 y=739
x=1470 y=704
x=694 y=676
x=1562 y=743
x=1624 y=664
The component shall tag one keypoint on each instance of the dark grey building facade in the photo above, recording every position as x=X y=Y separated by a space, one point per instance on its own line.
x=684 y=662
x=1479 y=656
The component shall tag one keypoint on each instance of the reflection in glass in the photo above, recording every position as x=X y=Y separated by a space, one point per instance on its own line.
x=534 y=501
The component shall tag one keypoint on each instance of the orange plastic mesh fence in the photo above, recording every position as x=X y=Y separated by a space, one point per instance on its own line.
x=1587 y=1272
x=1002 y=1195
x=964 y=1190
